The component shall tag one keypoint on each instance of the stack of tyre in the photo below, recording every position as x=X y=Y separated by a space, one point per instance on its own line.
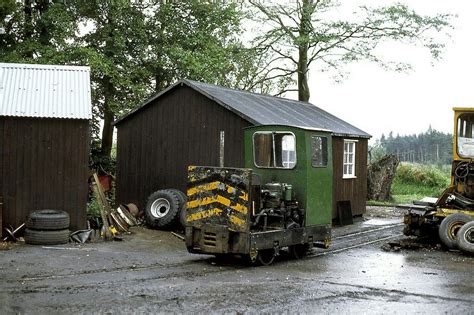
x=47 y=227
x=457 y=231
x=166 y=209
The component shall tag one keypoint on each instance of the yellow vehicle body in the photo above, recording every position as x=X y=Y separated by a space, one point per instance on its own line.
x=458 y=199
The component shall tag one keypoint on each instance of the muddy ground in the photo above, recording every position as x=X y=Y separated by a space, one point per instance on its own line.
x=151 y=271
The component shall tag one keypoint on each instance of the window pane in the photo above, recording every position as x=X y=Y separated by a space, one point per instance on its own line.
x=319 y=154
x=274 y=149
x=285 y=150
x=349 y=158
x=263 y=149
x=465 y=136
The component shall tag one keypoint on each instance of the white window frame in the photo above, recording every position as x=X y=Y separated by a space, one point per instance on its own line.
x=346 y=161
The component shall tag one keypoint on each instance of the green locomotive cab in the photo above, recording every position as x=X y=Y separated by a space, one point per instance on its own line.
x=281 y=199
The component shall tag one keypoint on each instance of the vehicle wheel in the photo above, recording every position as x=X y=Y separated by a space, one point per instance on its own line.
x=48 y=220
x=162 y=208
x=298 y=251
x=46 y=237
x=465 y=237
x=265 y=257
x=450 y=226
x=183 y=199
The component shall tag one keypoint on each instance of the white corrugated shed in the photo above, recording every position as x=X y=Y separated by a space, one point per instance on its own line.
x=45 y=91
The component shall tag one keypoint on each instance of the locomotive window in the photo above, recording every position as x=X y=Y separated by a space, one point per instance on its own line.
x=319 y=151
x=274 y=149
x=263 y=149
x=465 y=135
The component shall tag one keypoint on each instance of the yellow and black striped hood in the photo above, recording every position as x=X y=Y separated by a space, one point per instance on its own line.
x=218 y=196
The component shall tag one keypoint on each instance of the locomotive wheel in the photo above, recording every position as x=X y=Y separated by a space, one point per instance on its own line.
x=298 y=251
x=265 y=257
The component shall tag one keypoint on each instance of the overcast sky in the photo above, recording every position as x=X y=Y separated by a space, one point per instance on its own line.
x=378 y=101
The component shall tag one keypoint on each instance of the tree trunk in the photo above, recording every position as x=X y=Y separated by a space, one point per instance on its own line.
x=107 y=132
x=108 y=129
x=304 y=33
x=28 y=28
x=44 y=36
x=380 y=175
x=303 y=88
x=109 y=93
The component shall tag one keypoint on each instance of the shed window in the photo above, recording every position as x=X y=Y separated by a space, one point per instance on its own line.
x=349 y=159
x=319 y=151
x=274 y=149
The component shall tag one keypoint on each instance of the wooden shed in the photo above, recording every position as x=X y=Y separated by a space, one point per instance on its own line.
x=183 y=125
x=44 y=140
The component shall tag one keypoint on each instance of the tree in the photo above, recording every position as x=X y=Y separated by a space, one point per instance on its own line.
x=304 y=32
x=201 y=40
x=431 y=146
x=114 y=45
x=36 y=31
x=134 y=48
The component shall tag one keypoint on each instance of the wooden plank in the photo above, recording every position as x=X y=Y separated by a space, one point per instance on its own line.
x=96 y=188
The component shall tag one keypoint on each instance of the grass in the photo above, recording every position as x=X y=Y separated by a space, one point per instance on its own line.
x=415 y=181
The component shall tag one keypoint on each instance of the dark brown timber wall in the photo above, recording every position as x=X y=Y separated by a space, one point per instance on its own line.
x=181 y=128
x=43 y=165
x=352 y=189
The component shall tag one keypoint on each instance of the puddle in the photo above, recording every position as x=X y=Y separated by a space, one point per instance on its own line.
x=381 y=221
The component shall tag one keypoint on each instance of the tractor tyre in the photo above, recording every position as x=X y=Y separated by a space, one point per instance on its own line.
x=450 y=226
x=48 y=220
x=465 y=237
x=183 y=199
x=162 y=209
x=46 y=237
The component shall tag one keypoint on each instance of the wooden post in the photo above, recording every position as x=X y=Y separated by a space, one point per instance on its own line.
x=221 y=148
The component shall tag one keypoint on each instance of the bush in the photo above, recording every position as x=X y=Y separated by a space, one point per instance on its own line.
x=93 y=208
x=415 y=181
x=427 y=175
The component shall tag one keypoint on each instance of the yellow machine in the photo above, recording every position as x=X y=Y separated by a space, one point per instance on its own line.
x=451 y=215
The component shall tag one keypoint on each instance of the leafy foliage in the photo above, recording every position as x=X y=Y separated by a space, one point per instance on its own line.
x=300 y=33
x=36 y=31
x=134 y=48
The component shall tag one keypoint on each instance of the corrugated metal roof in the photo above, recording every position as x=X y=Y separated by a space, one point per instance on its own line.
x=262 y=109
x=45 y=91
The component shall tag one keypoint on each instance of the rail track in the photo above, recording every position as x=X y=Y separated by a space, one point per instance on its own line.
x=340 y=243
x=359 y=239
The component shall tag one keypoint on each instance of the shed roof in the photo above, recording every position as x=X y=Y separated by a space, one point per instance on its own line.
x=261 y=109
x=45 y=91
